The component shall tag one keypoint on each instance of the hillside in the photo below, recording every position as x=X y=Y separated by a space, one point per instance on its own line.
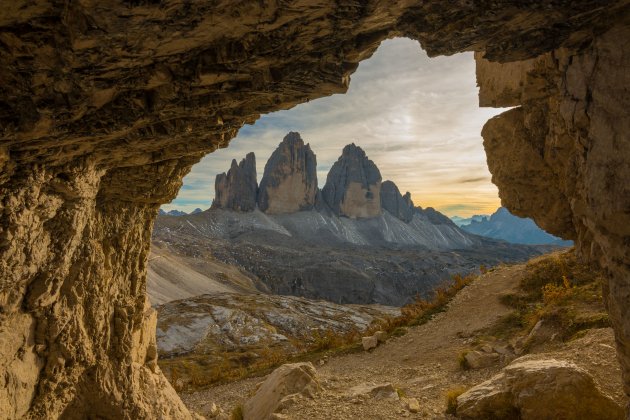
x=425 y=363
x=171 y=276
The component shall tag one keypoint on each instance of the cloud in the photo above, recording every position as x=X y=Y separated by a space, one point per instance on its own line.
x=417 y=118
x=473 y=180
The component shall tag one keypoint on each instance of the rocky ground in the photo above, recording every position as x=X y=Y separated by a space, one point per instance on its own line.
x=225 y=322
x=424 y=364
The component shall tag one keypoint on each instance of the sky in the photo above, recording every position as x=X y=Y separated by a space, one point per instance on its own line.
x=416 y=117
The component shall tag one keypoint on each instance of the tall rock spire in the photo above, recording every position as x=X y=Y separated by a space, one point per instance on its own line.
x=395 y=203
x=289 y=183
x=237 y=190
x=353 y=185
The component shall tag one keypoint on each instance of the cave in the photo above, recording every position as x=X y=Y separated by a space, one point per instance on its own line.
x=106 y=106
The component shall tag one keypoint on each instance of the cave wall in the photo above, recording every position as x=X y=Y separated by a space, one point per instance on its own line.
x=562 y=156
x=105 y=106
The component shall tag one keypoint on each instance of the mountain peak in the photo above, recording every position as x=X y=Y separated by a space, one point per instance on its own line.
x=289 y=182
x=353 y=185
x=237 y=189
x=293 y=137
x=395 y=203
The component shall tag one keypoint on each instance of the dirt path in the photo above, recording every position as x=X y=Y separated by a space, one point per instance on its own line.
x=422 y=364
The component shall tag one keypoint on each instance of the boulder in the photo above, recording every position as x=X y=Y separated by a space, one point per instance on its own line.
x=538 y=389
x=479 y=360
x=377 y=391
x=544 y=332
x=237 y=189
x=395 y=203
x=353 y=185
x=283 y=383
x=413 y=405
x=289 y=182
x=369 y=343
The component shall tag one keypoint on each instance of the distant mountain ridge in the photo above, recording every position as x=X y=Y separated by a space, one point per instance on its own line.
x=504 y=225
x=177 y=213
x=461 y=221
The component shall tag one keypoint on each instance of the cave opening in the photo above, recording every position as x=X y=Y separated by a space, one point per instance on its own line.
x=104 y=110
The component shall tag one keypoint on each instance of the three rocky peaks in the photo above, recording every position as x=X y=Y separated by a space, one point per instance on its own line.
x=353 y=188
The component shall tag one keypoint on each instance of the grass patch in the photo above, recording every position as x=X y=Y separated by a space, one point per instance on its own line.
x=422 y=310
x=451 y=399
x=559 y=290
x=558 y=269
x=399 y=332
x=461 y=360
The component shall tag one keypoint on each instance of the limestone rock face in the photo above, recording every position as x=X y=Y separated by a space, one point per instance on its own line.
x=538 y=389
x=395 y=203
x=353 y=185
x=237 y=190
x=220 y=323
x=558 y=156
x=104 y=110
x=285 y=381
x=289 y=183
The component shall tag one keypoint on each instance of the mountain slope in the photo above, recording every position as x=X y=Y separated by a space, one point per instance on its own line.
x=171 y=276
x=314 y=227
x=321 y=256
